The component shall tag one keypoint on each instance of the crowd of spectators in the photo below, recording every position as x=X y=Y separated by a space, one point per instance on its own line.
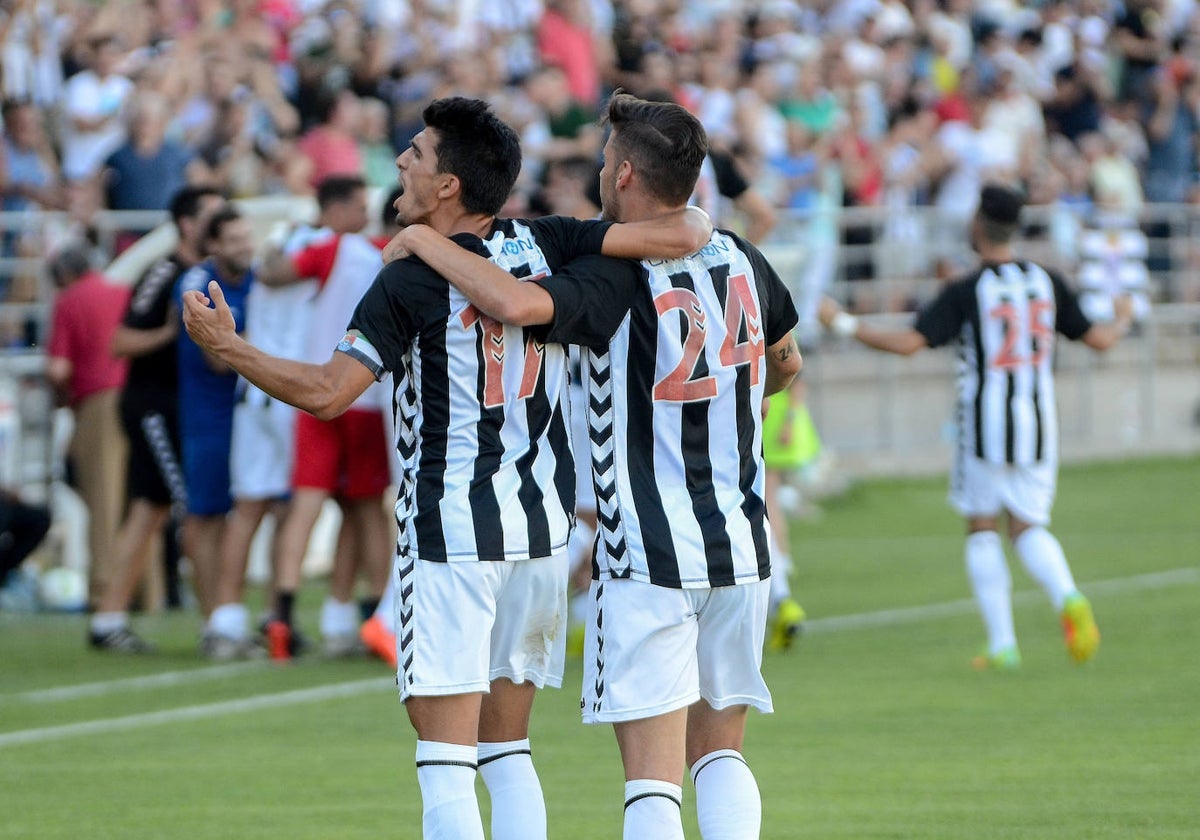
x=829 y=104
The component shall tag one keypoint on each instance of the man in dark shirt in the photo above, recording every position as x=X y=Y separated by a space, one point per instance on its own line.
x=149 y=415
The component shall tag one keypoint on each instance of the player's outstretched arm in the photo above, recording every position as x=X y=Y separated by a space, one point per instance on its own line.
x=673 y=235
x=493 y=290
x=903 y=342
x=783 y=364
x=324 y=391
x=1103 y=336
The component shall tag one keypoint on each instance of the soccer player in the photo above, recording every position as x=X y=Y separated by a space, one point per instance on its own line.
x=1002 y=318
x=680 y=354
x=154 y=480
x=207 y=392
x=487 y=473
x=346 y=457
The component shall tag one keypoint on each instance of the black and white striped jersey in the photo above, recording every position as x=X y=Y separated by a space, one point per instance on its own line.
x=481 y=428
x=675 y=371
x=1003 y=319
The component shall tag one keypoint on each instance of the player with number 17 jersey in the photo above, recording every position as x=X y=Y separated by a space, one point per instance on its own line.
x=675 y=372
x=482 y=431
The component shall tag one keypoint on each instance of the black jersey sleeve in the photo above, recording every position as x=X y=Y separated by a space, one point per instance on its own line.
x=730 y=182
x=779 y=312
x=406 y=294
x=942 y=320
x=562 y=238
x=591 y=298
x=150 y=300
x=1068 y=318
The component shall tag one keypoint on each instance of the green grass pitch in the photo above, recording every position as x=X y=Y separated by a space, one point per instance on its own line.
x=881 y=729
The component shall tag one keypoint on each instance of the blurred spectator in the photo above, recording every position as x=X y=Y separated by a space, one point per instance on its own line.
x=330 y=146
x=31 y=63
x=86 y=315
x=374 y=144
x=563 y=127
x=29 y=176
x=1170 y=119
x=92 y=105
x=148 y=170
x=573 y=188
x=565 y=39
x=1074 y=106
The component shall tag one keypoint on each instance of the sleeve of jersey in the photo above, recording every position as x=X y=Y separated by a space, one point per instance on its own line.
x=1069 y=318
x=316 y=261
x=941 y=321
x=780 y=316
x=562 y=238
x=591 y=298
x=730 y=182
x=382 y=328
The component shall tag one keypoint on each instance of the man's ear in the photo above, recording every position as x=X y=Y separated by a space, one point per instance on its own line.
x=624 y=174
x=449 y=186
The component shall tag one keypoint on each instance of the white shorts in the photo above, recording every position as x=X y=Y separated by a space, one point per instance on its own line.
x=462 y=625
x=651 y=649
x=263 y=450
x=581 y=443
x=981 y=488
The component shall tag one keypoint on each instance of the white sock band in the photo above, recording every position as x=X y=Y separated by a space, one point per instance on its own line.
x=652 y=810
x=446 y=774
x=728 y=803
x=103 y=623
x=992 y=585
x=518 y=807
x=1043 y=558
x=339 y=618
x=230 y=620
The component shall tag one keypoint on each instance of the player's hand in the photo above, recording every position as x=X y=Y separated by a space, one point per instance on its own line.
x=396 y=249
x=827 y=310
x=1123 y=308
x=210 y=327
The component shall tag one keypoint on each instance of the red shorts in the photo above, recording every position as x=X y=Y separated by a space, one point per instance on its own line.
x=346 y=456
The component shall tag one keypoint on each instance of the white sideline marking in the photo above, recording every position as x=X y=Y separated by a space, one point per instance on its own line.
x=166 y=679
x=911 y=615
x=908 y=615
x=199 y=712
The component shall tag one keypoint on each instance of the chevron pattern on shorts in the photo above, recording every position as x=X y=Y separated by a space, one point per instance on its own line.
x=600 y=430
x=404 y=586
x=598 y=702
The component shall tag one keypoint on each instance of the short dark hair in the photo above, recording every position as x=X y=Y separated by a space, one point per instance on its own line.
x=337 y=188
x=1000 y=212
x=479 y=148
x=71 y=261
x=216 y=225
x=665 y=144
x=185 y=204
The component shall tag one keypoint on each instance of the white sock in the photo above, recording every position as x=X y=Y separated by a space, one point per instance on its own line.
x=446 y=773
x=652 y=810
x=339 y=618
x=992 y=585
x=104 y=623
x=385 y=611
x=1043 y=558
x=579 y=547
x=518 y=807
x=230 y=620
x=781 y=567
x=728 y=804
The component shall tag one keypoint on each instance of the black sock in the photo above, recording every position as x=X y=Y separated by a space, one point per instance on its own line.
x=283 y=606
x=367 y=607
